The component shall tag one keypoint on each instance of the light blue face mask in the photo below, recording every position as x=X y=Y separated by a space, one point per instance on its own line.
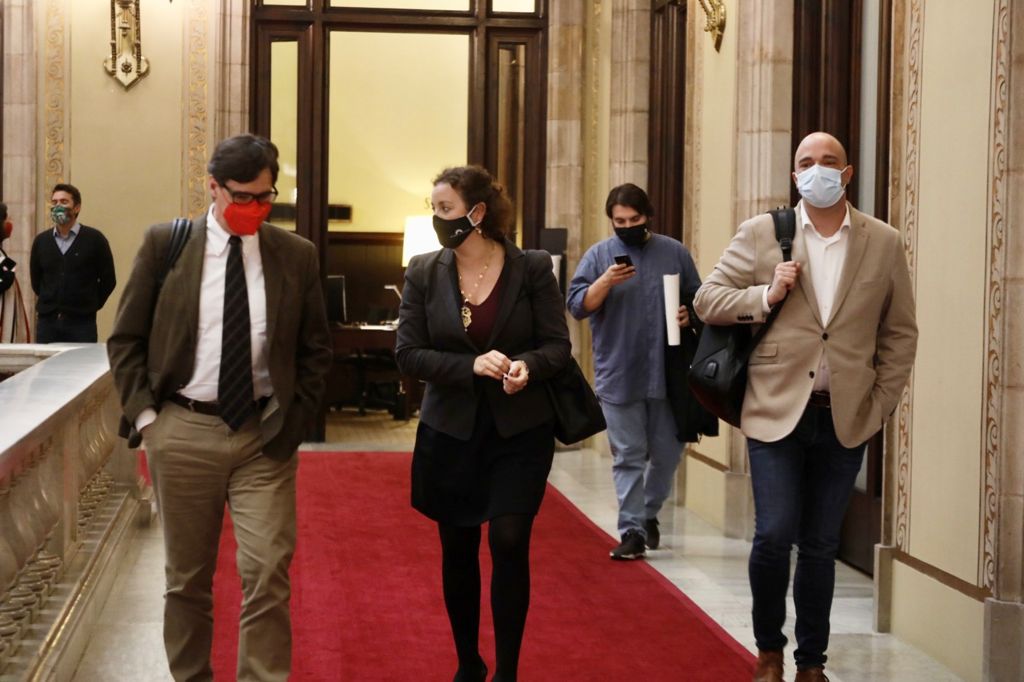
x=821 y=187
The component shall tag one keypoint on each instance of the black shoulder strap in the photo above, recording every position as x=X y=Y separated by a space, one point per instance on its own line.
x=785 y=231
x=181 y=230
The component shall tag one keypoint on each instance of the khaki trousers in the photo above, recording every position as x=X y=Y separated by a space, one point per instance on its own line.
x=197 y=465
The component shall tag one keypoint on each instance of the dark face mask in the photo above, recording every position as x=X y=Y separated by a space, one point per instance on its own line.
x=451 y=233
x=633 y=236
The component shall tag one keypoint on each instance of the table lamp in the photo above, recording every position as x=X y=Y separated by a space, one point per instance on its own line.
x=419 y=237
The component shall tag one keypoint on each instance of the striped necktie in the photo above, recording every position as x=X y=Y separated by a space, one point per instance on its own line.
x=234 y=386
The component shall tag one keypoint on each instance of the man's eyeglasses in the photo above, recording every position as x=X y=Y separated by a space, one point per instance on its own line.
x=247 y=198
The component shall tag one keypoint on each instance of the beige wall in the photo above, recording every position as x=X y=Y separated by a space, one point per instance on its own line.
x=123 y=148
x=946 y=135
x=711 y=178
x=380 y=164
x=952 y=253
x=938 y=620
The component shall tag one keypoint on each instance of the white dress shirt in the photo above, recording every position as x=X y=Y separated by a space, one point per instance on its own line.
x=206 y=371
x=825 y=259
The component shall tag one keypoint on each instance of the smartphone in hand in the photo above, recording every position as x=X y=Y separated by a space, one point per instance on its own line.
x=624 y=259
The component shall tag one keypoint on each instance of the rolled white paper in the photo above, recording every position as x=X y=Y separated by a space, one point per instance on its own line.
x=556 y=265
x=671 y=283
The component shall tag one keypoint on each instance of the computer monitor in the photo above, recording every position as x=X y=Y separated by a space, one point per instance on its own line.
x=337 y=303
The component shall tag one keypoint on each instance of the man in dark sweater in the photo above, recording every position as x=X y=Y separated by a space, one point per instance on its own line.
x=72 y=272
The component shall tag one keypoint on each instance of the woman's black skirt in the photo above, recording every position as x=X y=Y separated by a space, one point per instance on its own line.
x=465 y=483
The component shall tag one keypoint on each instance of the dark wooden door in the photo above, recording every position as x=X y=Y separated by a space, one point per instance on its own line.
x=668 y=115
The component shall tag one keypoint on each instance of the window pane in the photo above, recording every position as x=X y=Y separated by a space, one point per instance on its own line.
x=289 y=3
x=517 y=6
x=451 y=5
x=394 y=123
x=284 y=113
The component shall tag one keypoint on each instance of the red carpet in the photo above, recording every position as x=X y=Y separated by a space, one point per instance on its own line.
x=367 y=605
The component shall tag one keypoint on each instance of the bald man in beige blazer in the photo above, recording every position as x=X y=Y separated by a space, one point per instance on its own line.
x=824 y=379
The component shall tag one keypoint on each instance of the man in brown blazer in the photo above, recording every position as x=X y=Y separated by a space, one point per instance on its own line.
x=220 y=370
x=824 y=379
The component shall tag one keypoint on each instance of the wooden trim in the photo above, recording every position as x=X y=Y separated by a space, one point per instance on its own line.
x=704 y=459
x=881 y=206
x=312 y=25
x=365 y=238
x=948 y=579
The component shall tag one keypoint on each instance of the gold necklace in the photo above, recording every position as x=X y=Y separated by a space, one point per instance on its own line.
x=467 y=314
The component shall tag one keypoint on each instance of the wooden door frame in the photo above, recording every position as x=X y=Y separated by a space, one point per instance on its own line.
x=312 y=25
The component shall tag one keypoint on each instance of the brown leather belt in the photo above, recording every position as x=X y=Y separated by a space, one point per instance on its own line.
x=211 y=409
x=820 y=399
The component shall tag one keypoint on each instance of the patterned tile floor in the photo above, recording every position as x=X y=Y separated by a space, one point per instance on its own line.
x=709 y=567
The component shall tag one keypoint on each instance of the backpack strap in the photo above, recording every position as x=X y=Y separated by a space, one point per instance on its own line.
x=785 y=231
x=784 y=218
x=181 y=230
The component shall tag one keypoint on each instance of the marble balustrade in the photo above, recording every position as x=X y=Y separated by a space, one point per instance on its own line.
x=69 y=497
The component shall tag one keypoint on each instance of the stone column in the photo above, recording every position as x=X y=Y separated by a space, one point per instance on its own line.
x=232 y=69
x=630 y=92
x=1004 y=611
x=20 y=134
x=764 y=113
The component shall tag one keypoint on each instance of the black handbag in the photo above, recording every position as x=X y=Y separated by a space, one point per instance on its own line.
x=718 y=374
x=577 y=410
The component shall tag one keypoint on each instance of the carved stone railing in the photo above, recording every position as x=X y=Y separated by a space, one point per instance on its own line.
x=69 y=500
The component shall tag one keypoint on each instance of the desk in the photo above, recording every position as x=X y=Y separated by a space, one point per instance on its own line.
x=347 y=339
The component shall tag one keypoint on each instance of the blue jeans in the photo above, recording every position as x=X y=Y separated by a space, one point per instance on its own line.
x=645 y=455
x=61 y=328
x=802 y=485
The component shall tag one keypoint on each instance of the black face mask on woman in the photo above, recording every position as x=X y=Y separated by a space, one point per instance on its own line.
x=451 y=233
x=633 y=236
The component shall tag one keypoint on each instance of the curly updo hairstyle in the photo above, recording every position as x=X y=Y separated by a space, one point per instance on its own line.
x=476 y=185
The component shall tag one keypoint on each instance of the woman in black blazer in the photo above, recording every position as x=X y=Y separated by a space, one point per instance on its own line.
x=483 y=324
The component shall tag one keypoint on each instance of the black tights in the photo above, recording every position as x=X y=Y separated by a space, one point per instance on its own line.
x=509 y=540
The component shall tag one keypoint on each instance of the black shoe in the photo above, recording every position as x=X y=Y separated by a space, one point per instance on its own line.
x=653 y=534
x=631 y=547
x=475 y=673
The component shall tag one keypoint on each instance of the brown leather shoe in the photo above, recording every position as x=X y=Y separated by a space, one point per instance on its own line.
x=769 y=666
x=811 y=675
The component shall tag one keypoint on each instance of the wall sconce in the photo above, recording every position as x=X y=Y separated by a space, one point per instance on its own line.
x=126 y=63
x=419 y=237
x=715 y=24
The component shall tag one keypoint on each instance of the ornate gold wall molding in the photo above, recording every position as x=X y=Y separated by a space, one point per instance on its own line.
x=908 y=191
x=197 y=129
x=996 y=239
x=55 y=94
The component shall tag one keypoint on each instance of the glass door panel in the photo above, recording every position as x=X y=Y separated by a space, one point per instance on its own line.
x=393 y=124
x=514 y=6
x=284 y=114
x=433 y=5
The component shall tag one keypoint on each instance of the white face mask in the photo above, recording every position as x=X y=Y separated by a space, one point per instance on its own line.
x=821 y=187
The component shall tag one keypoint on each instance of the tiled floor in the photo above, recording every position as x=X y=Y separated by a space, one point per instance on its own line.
x=708 y=567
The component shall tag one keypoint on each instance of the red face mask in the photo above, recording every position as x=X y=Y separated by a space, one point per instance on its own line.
x=8 y=229
x=245 y=219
